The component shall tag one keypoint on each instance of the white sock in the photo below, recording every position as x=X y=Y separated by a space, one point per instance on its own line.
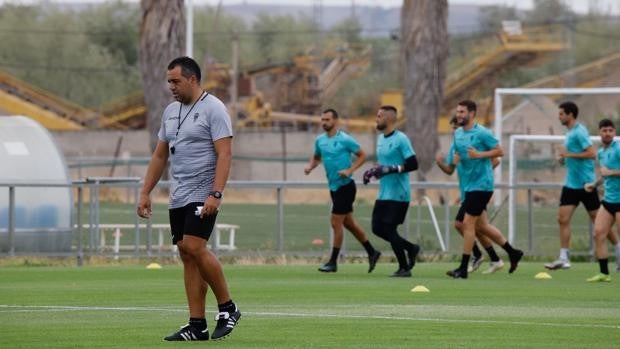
x=618 y=251
x=564 y=254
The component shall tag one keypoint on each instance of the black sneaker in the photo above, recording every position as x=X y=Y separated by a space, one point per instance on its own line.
x=226 y=322
x=372 y=260
x=514 y=260
x=413 y=254
x=189 y=333
x=457 y=274
x=402 y=273
x=329 y=267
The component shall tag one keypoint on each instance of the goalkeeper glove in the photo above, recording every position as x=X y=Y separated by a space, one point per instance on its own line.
x=379 y=171
x=383 y=170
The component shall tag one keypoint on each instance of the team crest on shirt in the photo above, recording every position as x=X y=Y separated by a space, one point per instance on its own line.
x=196 y=116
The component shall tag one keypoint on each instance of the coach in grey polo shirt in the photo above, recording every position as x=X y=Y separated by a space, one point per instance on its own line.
x=196 y=135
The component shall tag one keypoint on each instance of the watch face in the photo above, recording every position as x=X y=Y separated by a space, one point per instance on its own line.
x=216 y=194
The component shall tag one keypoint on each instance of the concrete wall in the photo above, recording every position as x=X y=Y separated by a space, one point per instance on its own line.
x=257 y=155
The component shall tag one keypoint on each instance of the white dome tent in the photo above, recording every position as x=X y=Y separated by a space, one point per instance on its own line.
x=42 y=215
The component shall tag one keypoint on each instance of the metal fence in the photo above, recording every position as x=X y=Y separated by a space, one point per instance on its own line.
x=272 y=225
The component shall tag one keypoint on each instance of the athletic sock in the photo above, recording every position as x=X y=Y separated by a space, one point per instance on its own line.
x=228 y=307
x=464 y=263
x=476 y=251
x=198 y=323
x=602 y=264
x=618 y=251
x=334 y=257
x=492 y=254
x=564 y=253
x=508 y=248
x=368 y=247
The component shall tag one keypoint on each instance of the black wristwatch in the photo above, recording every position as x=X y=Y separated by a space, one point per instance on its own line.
x=216 y=194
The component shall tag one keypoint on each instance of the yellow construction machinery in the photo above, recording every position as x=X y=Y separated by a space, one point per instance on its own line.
x=298 y=88
x=18 y=97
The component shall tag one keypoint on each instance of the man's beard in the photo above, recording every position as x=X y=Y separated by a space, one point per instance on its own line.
x=381 y=127
x=327 y=128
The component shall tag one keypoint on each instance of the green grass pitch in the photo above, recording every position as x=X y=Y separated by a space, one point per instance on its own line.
x=295 y=306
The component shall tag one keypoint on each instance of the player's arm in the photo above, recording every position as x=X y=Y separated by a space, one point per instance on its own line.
x=411 y=164
x=315 y=160
x=223 y=150
x=495 y=152
x=158 y=162
x=495 y=162
x=446 y=168
x=359 y=161
x=589 y=187
x=605 y=172
x=588 y=153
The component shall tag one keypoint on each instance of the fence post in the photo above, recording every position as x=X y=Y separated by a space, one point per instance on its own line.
x=280 y=217
x=446 y=205
x=11 y=221
x=530 y=221
x=80 y=254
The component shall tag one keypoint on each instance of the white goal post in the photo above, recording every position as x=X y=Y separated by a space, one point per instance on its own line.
x=499 y=119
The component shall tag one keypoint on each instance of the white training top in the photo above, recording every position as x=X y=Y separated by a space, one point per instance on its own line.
x=191 y=130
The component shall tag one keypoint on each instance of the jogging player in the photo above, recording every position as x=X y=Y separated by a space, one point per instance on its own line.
x=335 y=148
x=476 y=146
x=578 y=156
x=396 y=159
x=448 y=168
x=609 y=213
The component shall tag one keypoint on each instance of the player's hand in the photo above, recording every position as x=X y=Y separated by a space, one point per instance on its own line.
x=456 y=158
x=440 y=158
x=561 y=155
x=369 y=174
x=589 y=187
x=307 y=170
x=472 y=153
x=210 y=207
x=560 y=160
x=345 y=173
x=605 y=171
x=144 y=206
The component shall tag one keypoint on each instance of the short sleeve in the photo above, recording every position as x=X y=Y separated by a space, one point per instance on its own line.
x=219 y=122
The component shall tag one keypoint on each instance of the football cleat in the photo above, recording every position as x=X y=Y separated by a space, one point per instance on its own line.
x=494 y=266
x=329 y=267
x=372 y=260
x=189 y=333
x=558 y=264
x=599 y=278
x=226 y=322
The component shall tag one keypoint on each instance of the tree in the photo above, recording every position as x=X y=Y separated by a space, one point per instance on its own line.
x=162 y=38
x=424 y=51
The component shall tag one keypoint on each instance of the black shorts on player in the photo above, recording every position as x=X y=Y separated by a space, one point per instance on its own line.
x=343 y=198
x=184 y=221
x=572 y=197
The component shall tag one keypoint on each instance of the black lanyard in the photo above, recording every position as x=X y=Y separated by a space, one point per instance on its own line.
x=172 y=149
x=189 y=111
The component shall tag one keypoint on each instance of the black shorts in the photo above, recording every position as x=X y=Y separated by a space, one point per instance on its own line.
x=183 y=221
x=461 y=214
x=572 y=197
x=611 y=208
x=389 y=212
x=476 y=202
x=342 y=198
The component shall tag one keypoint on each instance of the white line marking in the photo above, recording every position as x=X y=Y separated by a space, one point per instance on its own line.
x=48 y=308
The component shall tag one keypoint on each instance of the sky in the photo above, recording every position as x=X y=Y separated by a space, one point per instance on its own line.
x=580 y=6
